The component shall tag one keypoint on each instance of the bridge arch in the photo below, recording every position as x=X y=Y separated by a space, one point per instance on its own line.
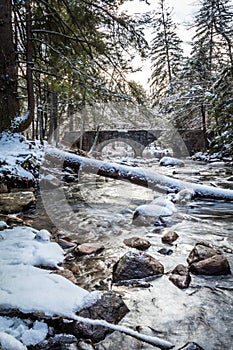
x=137 y=147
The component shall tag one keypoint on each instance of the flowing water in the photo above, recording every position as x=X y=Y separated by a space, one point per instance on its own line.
x=96 y=209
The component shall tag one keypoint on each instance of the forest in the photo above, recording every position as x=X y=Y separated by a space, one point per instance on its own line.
x=103 y=251
x=65 y=61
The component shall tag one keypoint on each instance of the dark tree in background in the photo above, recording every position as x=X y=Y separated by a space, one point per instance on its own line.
x=8 y=78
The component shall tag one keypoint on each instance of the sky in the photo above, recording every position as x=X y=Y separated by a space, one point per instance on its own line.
x=184 y=11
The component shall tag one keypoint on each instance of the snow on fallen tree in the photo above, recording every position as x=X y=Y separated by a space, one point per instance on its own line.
x=138 y=176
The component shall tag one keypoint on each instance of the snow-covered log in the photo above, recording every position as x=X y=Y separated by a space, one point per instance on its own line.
x=138 y=176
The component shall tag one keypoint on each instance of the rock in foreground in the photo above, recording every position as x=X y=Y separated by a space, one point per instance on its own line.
x=180 y=277
x=133 y=266
x=205 y=260
x=200 y=252
x=216 y=265
x=110 y=307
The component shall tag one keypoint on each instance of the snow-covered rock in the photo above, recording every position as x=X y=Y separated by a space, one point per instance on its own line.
x=165 y=202
x=170 y=161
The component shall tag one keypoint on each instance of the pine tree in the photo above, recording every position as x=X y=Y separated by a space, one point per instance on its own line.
x=166 y=53
x=200 y=102
x=80 y=50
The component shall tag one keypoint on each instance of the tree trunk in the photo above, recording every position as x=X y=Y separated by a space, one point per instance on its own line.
x=9 y=108
x=138 y=176
x=29 y=57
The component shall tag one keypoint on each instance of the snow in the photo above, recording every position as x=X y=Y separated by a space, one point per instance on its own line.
x=27 y=288
x=20 y=330
x=153 y=210
x=8 y=342
x=30 y=250
x=165 y=202
x=170 y=161
x=15 y=149
x=31 y=289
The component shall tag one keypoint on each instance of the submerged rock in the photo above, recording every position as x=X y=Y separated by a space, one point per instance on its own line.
x=191 y=346
x=138 y=243
x=58 y=342
x=165 y=251
x=110 y=307
x=14 y=202
x=133 y=266
x=216 y=265
x=180 y=276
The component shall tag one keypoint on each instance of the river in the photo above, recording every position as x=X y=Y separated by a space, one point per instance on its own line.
x=95 y=209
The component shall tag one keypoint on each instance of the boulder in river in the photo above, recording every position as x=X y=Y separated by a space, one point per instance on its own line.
x=151 y=214
x=133 y=266
x=138 y=243
x=110 y=307
x=14 y=202
x=206 y=260
x=200 y=252
x=216 y=265
x=170 y=161
x=169 y=237
x=180 y=276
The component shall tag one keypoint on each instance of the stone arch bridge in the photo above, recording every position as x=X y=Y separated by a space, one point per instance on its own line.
x=183 y=142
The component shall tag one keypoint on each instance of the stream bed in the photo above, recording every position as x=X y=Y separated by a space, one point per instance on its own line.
x=95 y=209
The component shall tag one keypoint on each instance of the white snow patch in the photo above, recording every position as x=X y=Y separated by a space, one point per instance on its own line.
x=20 y=246
x=32 y=289
x=15 y=149
x=23 y=331
x=8 y=342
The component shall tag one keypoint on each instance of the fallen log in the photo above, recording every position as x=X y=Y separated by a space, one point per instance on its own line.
x=137 y=176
